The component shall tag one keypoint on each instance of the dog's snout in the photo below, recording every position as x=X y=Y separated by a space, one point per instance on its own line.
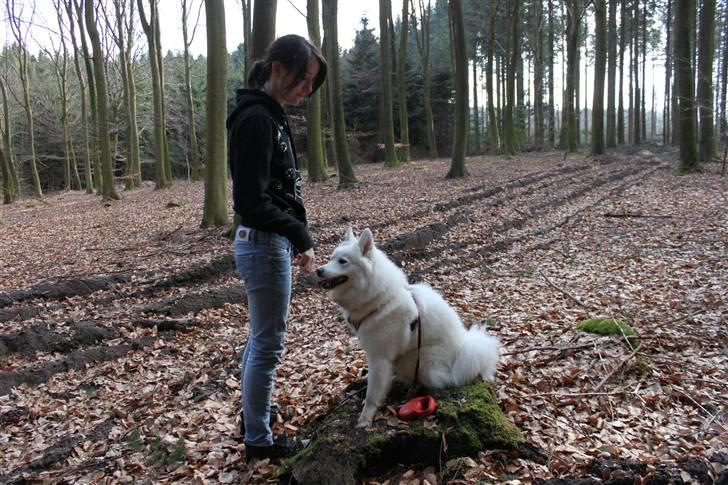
x=320 y=272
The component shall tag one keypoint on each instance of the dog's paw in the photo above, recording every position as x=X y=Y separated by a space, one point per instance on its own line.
x=365 y=418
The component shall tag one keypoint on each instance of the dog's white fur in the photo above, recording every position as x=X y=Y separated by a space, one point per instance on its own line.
x=377 y=292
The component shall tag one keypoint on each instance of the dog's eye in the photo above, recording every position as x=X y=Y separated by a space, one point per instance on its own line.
x=342 y=261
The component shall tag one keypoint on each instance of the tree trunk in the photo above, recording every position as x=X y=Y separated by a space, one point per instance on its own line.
x=552 y=63
x=567 y=139
x=493 y=129
x=160 y=173
x=191 y=123
x=460 y=57
x=215 y=209
x=622 y=41
x=666 y=125
x=689 y=161
x=509 y=128
x=314 y=145
x=88 y=180
x=706 y=50
x=107 y=186
x=247 y=33
x=11 y=185
x=636 y=116
x=94 y=146
x=160 y=63
x=385 y=69
x=402 y=85
x=476 y=110
x=343 y=162
x=600 y=58
x=264 y=27
x=423 y=46
x=538 y=74
x=23 y=73
x=611 y=141
x=724 y=80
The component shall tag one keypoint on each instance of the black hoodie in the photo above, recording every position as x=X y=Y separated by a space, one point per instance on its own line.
x=264 y=168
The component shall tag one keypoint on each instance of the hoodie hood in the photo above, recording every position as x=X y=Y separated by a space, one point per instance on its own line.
x=246 y=97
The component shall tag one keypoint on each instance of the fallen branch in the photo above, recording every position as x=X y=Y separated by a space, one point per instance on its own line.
x=575 y=299
x=636 y=214
x=614 y=371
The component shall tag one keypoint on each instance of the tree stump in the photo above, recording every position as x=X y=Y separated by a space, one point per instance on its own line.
x=467 y=420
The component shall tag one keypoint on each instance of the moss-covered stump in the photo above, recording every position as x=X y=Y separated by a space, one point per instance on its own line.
x=467 y=421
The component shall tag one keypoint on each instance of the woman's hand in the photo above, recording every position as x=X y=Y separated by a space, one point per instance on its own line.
x=307 y=260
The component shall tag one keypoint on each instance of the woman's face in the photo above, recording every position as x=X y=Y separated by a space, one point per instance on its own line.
x=284 y=92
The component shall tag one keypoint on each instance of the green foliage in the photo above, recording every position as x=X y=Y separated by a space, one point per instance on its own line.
x=606 y=326
x=134 y=439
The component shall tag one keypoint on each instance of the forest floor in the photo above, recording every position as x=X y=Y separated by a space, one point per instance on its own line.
x=121 y=323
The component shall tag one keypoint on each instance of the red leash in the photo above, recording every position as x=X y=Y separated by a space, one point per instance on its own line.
x=417 y=406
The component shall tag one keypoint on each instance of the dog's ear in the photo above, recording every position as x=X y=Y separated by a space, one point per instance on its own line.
x=349 y=236
x=366 y=241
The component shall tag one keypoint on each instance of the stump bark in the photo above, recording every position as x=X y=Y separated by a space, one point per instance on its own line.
x=467 y=421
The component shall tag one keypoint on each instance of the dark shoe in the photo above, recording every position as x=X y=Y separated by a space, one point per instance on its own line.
x=271 y=420
x=282 y=447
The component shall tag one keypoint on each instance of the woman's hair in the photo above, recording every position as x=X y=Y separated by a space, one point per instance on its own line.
x=293 y=52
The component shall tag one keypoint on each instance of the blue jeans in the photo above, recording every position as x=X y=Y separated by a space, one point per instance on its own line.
x=263 y=260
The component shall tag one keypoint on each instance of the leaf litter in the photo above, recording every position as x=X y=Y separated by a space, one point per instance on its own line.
x=586 y=243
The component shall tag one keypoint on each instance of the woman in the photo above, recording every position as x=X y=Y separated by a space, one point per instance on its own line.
x=273 y=230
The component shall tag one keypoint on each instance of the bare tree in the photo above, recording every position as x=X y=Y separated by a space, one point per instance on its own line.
x=422 y=37
x=401 y=85
x=11 y=184
x=331 y=46
x=314 y=130
x=460 y=57
x=20 y=34
x=600 y=60
x=187 y=40
x=215 y=208
x=689 y=161
x=510 y=135
x=706 y=49
x=385 y=70
x=107 y=187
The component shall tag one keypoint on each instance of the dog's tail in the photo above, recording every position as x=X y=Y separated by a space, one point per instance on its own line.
x=478 y=356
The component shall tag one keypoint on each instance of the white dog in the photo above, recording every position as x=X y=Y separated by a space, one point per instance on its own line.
x=383 y=308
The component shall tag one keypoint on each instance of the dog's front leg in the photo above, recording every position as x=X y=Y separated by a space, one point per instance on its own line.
x=380 y=379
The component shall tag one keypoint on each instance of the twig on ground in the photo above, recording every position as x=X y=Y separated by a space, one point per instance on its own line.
x=617 y=368
x=575 y=299
x=636 y=214
x=581 y=394
x=560 y=349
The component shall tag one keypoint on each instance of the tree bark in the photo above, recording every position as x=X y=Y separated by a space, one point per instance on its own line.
x=215 y=208
x=460 y=56
x=493 y=129
x=636 y=115
x=343 y=162
x=567 y=139
x=314 y=145
x=689 y=161
x=538 y=74
x=706 y=50
x=94 y=145
x=107 y=187
x=191 y=123
x=666 y=124
x=15 y=26
x=622 y=42
x=509 y=127
x=264 y=28
x=724 y=80
x=611 y=139
x=402 y=85
x=600 y=58
x=385 y=69
x=552 y=63
x=11 y=184
x=422 y=38
x=149 y=27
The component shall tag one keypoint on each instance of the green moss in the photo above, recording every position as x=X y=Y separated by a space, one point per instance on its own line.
x=640 y=367
x=606 y=326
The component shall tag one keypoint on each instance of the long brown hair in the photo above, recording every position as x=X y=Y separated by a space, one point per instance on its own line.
x=293 y=52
